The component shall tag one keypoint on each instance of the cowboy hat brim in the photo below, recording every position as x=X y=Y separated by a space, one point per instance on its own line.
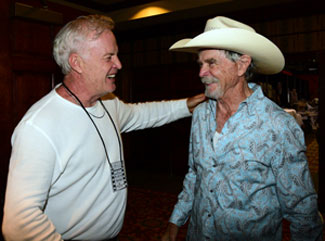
x=267 y=57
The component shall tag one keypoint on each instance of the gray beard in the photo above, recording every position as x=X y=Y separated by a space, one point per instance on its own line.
x=217 y=93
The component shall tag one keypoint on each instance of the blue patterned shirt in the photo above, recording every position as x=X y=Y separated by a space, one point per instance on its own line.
x=243 y=181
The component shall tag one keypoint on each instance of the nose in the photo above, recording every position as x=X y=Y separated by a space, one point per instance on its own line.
x=203 y=71
x=117 y=63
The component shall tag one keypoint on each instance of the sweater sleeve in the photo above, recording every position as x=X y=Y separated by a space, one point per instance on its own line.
x=150 y=114
x=29 y=180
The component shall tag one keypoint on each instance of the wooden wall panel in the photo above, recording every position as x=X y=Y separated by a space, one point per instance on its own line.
x=185 y=79
x=32 y=37
x=150 y=84
x=163 y=149
x=5 y=63
x=32 y=46
x=296 y=34
x=5 y=97
x=32 y=63
x=5 y=86
x=27 y=89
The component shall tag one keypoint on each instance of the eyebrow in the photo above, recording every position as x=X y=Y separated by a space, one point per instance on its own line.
x=109 y=54
x=209 y=60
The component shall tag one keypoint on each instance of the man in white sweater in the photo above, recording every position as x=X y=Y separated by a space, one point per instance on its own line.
x=67 y=177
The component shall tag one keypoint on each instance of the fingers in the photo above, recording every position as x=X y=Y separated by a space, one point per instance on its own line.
x=192 y=102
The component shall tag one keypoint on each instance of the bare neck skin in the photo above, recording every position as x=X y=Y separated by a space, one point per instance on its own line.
x=228 y=104
x=79 y=90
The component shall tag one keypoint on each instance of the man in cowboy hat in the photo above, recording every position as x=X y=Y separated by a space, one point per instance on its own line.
x=247 y=165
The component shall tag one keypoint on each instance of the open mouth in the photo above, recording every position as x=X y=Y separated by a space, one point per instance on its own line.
x=111 y=76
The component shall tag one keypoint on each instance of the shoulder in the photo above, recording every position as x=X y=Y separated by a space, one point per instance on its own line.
x=112 y=102
x=40 y=108
x=283 y=123
x=272 y=111
x=201 y=108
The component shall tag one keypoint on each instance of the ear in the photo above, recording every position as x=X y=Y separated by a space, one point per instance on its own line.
x=75 y=62
x=243 y=64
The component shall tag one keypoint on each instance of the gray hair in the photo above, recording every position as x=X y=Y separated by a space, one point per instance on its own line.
x=234 y=56
x=71 y=37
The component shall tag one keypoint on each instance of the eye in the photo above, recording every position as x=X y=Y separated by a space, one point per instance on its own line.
x=109 y=57
x=211 y=62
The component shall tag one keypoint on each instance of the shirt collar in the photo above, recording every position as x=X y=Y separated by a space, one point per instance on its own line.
x=253 y=100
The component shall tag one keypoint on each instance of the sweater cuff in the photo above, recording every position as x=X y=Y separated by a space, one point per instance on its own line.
x=181 y=109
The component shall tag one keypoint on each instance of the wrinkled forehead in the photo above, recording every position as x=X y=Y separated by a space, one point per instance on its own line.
x=210 y=53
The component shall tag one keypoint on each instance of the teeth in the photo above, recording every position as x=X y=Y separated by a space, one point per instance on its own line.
x=111 y=76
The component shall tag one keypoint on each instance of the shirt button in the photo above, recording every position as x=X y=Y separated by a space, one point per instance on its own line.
x=211 y=190
x=214 y=165
x=209 y=215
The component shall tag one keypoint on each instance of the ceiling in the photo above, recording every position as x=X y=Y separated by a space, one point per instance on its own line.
x=123 y=11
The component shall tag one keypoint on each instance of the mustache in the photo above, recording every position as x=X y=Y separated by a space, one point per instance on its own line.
x=209 y=80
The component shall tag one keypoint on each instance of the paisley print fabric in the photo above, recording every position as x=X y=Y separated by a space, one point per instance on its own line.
x=243 y=181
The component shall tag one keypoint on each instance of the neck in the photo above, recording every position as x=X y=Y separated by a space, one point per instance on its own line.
x=74 y=91
x=233 y=97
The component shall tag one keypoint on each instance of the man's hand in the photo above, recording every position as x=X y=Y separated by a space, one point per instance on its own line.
x=192 y=102
x=171 y=233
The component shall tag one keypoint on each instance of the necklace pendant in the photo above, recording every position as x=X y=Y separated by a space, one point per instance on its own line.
x=118 y=176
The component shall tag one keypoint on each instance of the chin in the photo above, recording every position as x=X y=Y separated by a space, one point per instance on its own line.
x=213 y=95
x=111 y=88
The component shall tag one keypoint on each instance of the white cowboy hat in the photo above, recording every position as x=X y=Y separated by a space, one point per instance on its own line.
x=228 y=34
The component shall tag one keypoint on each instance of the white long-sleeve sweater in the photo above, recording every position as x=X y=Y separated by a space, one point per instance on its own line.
x=59 y=183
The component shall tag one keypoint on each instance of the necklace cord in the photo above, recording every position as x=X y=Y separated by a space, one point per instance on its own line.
x=117 y=135
x=101 y=138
